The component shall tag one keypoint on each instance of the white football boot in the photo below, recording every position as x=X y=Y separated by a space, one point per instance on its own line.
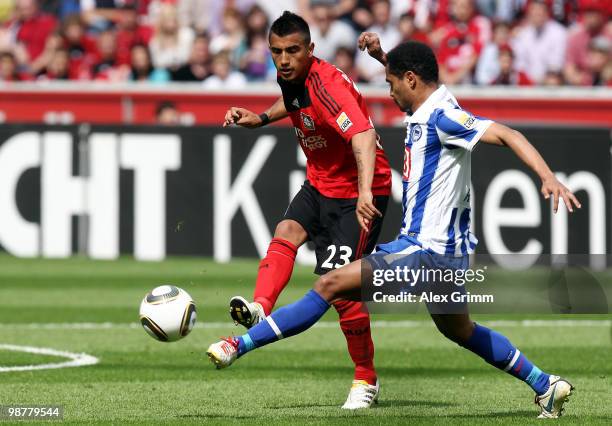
x=246 y=313
x=551 y=403
x=222 y=354
x=362 y=395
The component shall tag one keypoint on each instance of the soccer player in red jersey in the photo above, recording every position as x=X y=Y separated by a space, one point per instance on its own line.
x=341 y=205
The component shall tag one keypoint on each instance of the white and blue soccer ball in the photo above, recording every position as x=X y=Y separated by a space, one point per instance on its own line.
x=167 y=313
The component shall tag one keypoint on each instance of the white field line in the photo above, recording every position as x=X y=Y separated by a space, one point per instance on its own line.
x=321 y=324
x=74 y=359
x=79 y=360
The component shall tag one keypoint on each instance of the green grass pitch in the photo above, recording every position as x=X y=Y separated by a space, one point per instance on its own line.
x=425 y=378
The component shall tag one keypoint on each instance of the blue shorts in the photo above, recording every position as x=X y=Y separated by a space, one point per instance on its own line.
x=408 y=252
x=402 y=266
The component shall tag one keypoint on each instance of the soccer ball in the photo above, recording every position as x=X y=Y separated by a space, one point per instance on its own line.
x=167 y=313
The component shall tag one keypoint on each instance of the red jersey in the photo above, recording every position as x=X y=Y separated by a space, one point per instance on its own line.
x=33 y=33
x=327 y=110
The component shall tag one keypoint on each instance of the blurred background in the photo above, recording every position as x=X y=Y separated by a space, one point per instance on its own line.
x=111 y=141
x=223 y=43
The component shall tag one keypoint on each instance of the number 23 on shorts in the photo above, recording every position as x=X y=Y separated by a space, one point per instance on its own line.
x=345 y=253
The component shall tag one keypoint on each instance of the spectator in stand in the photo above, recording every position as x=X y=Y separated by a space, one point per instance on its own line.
x=599 y=62
x=327 y=34
x=432 y=16
x=504 y=11
x=370 y=69
x=82 y=48
x=58 y=67
x=223 y=77
x=408 y=29
x=539 y=45
x=171 y=44
x=199 y=14
x=28 y=31
x=53 y=43
x=361 y=17
x=553 y=79
x=130 y=33
x=207 y=15
x=488 y=67
x=274 y=8
x=232 y=38
x=61 y=8
x=100 y=15
x=8 y=68
x=594 y=23
x=508 y=75
x=142 y=68
x=198 y=67
x=167 y=114
x=256 y=63
x=341 y=9
x=107 y=68
x=462 y=39
x=562 y=11
x=345 y=60
x=256 y=21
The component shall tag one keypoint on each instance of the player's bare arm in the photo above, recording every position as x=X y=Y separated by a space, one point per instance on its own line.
x=245 y=118
x=498 y=134
x=364 y=148
x=371 y=42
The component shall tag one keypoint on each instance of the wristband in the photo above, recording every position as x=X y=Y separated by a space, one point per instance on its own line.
x=264 y=118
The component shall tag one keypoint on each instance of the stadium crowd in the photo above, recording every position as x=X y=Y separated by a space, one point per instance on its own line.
x=223 y=43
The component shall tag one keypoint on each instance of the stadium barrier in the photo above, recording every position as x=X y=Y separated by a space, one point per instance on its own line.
x=150 y=192
x=106 y=103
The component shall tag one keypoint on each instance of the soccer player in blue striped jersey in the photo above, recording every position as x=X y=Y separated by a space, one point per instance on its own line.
x=435 y=226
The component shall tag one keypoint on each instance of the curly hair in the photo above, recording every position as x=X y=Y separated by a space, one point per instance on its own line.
x=416 y=57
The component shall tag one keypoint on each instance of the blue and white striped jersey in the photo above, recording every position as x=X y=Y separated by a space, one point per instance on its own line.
x=436 y=178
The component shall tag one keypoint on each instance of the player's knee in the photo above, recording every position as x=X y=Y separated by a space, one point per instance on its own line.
x=459 y=333
x=328 y=286
x=291 y=231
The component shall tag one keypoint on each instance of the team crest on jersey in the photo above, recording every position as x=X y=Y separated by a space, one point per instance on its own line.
x=344 y=122
x=416 y=133
x=308 y=122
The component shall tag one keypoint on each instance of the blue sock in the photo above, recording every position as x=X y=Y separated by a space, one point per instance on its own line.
x=284 y=322
x=497 y=350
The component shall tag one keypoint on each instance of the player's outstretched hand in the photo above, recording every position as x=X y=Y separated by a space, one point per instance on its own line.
x=366 y=211
x=552 y=186
x=371 y=42
x=241 y=117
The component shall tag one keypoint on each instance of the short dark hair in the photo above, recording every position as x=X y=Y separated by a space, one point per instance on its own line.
x=416 y=57
x=290 y=23
x=164 y=105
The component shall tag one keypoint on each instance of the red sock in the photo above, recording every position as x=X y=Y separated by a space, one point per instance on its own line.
x=355 y=324
x=274 y=272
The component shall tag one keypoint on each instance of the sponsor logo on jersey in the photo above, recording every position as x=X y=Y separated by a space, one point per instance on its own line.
x=314 y=142
x=308 y=122
x=344 y=122
x=416 y=133
x=467 y=120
